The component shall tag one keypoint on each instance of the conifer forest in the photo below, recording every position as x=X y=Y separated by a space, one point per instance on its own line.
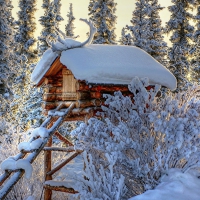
x=113 y=117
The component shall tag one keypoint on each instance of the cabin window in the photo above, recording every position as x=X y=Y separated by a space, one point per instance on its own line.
x=69 y=85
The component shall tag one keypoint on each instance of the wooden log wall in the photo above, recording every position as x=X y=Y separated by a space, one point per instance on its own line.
x=86 y=95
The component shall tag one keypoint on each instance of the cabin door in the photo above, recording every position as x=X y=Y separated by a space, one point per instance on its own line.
x=69 y=85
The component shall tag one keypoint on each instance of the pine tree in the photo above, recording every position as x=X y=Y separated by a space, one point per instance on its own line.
x=195 y=74
x=6 y=38
x=69 y=28
x=8 y=65
x=197 y=18
x=139 y=25
x=26 y=27
x=50 y=22
x=102 y=13
x=182 y=33
x=156 y=46
x=125 y=38
x=196 y=47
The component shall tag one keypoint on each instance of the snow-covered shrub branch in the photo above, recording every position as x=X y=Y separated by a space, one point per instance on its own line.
x=148 y=135
x=100 y=183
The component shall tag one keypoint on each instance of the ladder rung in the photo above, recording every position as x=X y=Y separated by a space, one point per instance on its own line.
x=63 y=163
x=59 y=186
x=66 y=149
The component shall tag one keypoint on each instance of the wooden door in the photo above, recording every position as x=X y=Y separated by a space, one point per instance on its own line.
x=69 y=85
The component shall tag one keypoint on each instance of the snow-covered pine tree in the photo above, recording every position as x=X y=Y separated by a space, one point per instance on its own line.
x=156 y=46
x=102 y=13
x=139 y=25
x=125 y=38
x=69 y=28
x=195 y=75
x=196 y=47
x=146 y=29
x=197 y=18
x=25 y=107
x=7 y=57
x=182 y=32
x=50 y=21
x=25 y=29
x=6 y=36
x=25 y=41
x=57 y=8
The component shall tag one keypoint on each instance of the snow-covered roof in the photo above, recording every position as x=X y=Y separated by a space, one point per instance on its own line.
x=108 y=64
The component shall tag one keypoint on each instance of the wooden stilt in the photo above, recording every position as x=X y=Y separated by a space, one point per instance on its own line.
x=47 y=168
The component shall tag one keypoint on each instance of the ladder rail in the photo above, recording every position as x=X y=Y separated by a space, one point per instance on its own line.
x=31 y=157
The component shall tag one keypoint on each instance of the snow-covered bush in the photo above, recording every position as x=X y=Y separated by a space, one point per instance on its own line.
x=148 y=135
x=99 y=183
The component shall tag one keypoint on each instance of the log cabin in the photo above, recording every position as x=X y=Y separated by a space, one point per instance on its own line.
x=71 y=71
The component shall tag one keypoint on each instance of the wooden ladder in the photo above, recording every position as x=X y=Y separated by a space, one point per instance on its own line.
x=52 y=123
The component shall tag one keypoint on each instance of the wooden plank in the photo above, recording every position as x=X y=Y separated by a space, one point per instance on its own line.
x=89 y=103
x=49 y=97
x=56 y=66
x=61 y=189
x=63 y=149
x=48 y=105
x=63 y=139
x=76 y=118
x=66 y=96
x=63 y=164
x=82 y=86
x=47 y=168
x=69 y=83
x=52 y=105
x=51 y=89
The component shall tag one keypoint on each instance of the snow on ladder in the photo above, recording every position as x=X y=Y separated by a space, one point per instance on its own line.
x=51 y=124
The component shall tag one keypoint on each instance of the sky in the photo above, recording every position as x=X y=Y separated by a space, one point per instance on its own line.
x=80 y=9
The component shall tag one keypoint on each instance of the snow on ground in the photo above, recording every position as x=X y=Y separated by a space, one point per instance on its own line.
x=175 y=185
x=64 y=177
x=111 y=64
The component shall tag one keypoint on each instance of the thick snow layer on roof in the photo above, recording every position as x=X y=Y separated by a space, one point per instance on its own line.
x=115 y=64
x=43 y=65
x=107 y=64
x=174 y=186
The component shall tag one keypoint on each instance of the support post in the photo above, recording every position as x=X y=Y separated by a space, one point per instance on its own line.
x=47 y=168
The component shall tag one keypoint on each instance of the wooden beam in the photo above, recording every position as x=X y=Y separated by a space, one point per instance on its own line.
x=61 y=189
x=89 y=103
x=63 y=164
x=52 y=105
x=75 y=118
x=59 y=97
x=47 y=168
x=63 y=149
x=82 y=86
x=63 y=139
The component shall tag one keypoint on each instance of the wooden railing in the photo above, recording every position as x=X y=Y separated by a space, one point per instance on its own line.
x=52 y=123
